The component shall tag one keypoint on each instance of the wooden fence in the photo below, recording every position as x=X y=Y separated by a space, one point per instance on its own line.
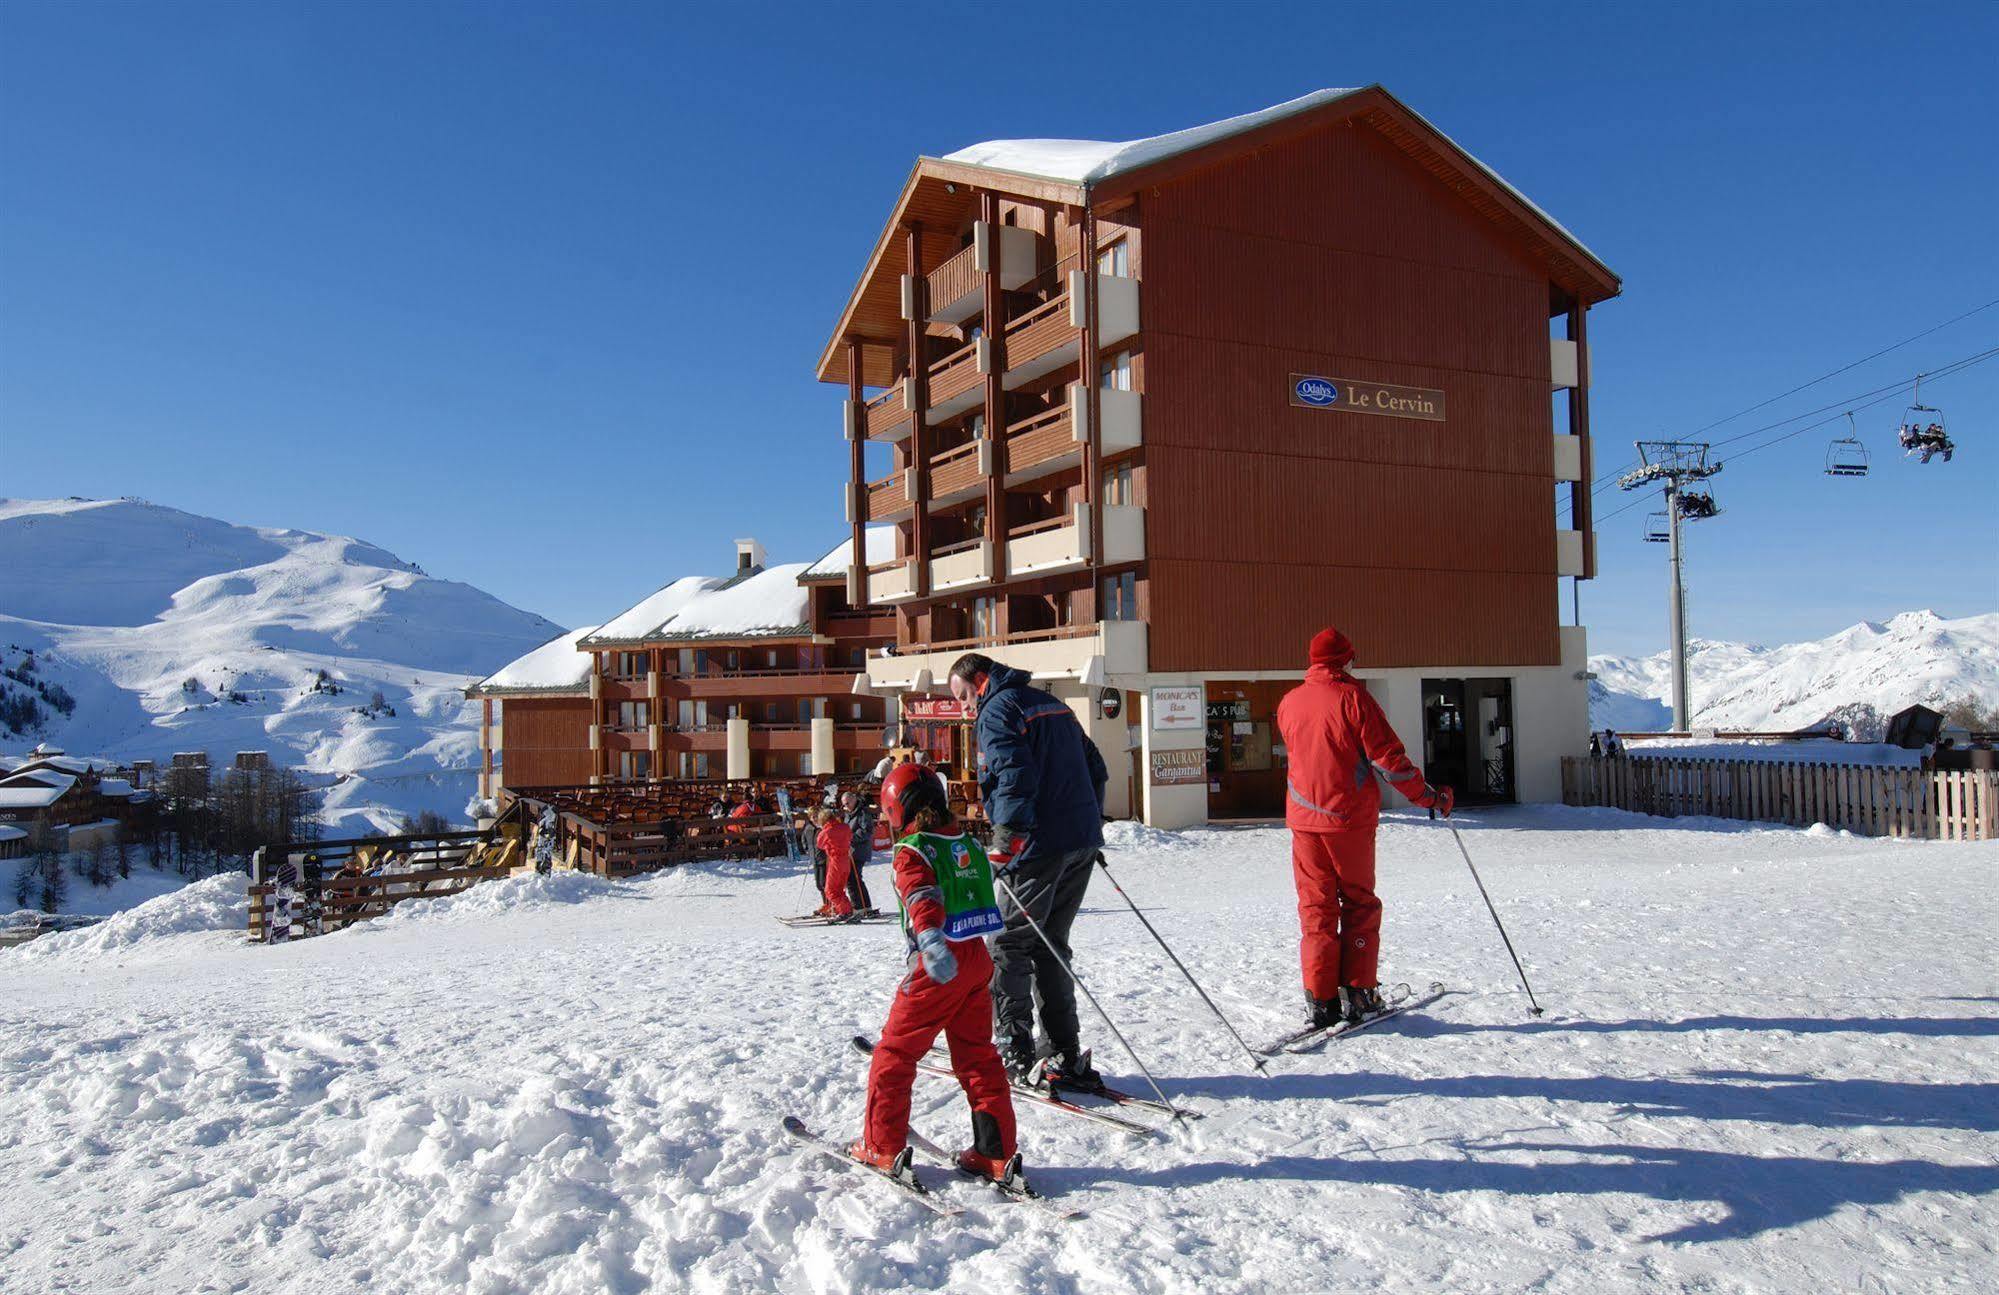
x=1868 y=799
x=314 y=887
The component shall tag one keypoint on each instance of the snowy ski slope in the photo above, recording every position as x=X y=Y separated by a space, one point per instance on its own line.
x=1770 y=1063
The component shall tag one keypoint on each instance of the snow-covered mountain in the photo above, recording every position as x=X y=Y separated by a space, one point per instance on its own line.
x=163 y=631
x=1859 y=676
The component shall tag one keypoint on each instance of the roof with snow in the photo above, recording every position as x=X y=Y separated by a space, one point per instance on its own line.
x=940 y=194
x=654 y=610
x=35 y=791
x=768 y=604
x=880 y=542
x=560 y=665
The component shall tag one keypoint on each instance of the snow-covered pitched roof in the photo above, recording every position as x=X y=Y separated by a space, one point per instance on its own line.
x=649 y=613
x=1089 y=161
x=39 y=778
x=880 y=541
x=28 y=793
x=8 y=832
x=559 y=665
x=769 y=603
x=1086 y=161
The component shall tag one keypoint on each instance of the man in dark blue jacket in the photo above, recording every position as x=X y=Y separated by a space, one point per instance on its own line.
x=1042 y=781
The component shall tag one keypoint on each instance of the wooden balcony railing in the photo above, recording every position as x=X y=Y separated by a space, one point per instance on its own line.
x=1039 y=331
x=1034 y=441
x=955 y=279
x=885 y=497
x=888 y=415
x=955 y=374
x=1040 y=527
x=954 y=470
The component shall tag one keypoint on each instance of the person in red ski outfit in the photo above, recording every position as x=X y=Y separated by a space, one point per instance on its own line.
x=836 y=839
x=943 y=883
x=1336 y=739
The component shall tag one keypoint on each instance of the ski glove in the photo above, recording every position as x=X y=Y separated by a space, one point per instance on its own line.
x=1007 y=848
x=939 y=963
x=1439 y=799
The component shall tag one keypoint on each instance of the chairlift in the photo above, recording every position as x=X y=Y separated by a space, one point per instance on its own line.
x=1656 y=530
x=1846 y=456
x=1697 y=506
x=1922 y=434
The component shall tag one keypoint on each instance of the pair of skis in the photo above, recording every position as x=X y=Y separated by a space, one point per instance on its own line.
x=1400 y=999
x=903 y=1176
x=871 y=917
x=937 y=1065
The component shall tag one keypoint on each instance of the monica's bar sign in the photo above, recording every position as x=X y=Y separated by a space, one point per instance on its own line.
x=1345 y=395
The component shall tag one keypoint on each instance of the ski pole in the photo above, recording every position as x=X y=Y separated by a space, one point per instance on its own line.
x=1254 y=1059
x=1535 y=1007
x=1077 y=981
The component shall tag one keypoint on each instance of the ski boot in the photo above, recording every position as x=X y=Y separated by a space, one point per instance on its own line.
x=896 y=1164
x=1072 y=1070
x=983 y=1159
x=1325 y=1012
x=1360 y=1002
x=1022 y=1065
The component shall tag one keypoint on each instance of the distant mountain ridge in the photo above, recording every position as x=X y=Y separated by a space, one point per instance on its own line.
x=175 y=632
x=1859 y=677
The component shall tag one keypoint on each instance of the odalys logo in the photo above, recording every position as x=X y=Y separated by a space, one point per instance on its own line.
x=1316 y=391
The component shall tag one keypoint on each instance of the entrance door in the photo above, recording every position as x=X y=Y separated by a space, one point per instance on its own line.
x=1245 y=773
x=1468 y=738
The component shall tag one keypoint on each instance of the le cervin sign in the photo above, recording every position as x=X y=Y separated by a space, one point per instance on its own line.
x=1348 y=396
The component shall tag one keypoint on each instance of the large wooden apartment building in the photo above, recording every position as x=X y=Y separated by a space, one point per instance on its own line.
x=1145 y=416
x=749 y=675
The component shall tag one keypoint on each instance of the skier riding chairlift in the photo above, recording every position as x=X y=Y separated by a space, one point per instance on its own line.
x=1696 y=506
x=1922 y=433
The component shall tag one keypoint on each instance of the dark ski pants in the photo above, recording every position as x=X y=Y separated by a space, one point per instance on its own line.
x=1339 y=918
x=963 y=1010
x=1028 y=981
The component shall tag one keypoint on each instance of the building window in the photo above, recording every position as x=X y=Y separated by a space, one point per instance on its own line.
x=693 y=714
x=770 y=659
x=633 y=714
x=984 y=616
x=1116 y=372
x=855 y=711
x=1120 y=598
x=694 y=661
x=1115 y=260
x=978 y=426
x=634 y=764
x=1117 y=486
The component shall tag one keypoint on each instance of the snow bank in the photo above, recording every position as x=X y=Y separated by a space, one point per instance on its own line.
x=216 y=904
x=1875 y=754
x=490 y=899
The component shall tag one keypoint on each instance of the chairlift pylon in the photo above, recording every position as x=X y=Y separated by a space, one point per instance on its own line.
x=1847 y=456
x=1923 y=434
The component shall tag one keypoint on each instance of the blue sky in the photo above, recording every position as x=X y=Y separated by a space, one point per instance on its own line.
x=531 y=294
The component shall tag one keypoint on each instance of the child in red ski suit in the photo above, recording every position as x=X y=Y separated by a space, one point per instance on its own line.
x=943 y=884
x=836 y=839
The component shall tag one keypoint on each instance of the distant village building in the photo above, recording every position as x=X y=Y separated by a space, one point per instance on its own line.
x=1150 y=414
x=750 y=675
x=70 y=796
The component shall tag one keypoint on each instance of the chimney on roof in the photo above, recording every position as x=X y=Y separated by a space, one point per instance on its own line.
x=749 y=557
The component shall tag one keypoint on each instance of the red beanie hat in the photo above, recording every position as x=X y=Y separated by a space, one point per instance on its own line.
x=1330 y=648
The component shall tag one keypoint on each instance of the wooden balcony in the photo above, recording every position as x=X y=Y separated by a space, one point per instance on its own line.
x=1046 y=338
x=892 y=582
x=888 y=499
x=1040 y=445
x=957 y=474
x=957 y=382
x=958 y=287
x=830 y=681
x=961 y=565
x=1063 y=543
x=1093 y=653
x=888 y=415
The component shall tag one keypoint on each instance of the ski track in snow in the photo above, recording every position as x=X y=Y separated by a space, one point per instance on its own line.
x=1771 y=1062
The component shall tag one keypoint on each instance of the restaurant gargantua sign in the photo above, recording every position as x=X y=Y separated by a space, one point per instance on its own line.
x=1345 y=395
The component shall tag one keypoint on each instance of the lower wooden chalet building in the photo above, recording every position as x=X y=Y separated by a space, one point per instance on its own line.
x=750 y=675
x=1145 y=416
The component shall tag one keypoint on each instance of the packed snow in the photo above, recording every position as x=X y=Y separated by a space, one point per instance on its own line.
x=1770 y=1061
x=1859 y=676
x=175 y=632
x=560 y=664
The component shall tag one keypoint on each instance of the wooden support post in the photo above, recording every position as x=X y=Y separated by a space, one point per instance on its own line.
x=994 y=325
x=1582 y=513
x=919 y=405
x=1086 y=351
x=859 y=460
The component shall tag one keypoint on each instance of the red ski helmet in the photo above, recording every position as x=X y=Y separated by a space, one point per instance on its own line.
x=907 y=789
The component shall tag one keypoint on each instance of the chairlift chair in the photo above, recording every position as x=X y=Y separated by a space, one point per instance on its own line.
x=1923 y=435
x=1697 y=506
x=1656 y=530
x=1846 y=456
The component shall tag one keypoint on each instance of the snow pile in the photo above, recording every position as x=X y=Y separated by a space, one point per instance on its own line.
x=174 y=632
x=586 y=1096
x=490 y=899
x=1860 y=676
x=216 y=904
